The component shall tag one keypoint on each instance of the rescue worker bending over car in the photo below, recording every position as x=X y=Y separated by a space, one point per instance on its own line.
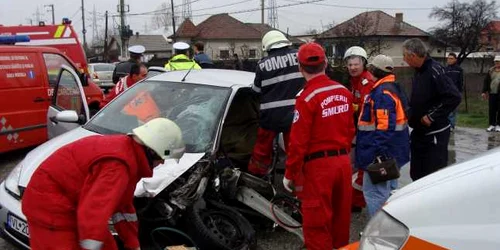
x=318 y=153
x=277 y=82
x=76 y=190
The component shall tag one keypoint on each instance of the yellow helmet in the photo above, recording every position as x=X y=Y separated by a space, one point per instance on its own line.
x=162 y=136
x=274 y=40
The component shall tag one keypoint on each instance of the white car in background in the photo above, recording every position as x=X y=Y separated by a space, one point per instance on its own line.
x=102 y=74
x=454 y=208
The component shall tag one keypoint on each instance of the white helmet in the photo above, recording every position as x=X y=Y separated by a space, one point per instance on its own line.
x=355 y=51
x=162 y=136
x=274 y=40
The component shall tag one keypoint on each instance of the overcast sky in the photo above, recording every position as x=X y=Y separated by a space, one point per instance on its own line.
x=298 y=19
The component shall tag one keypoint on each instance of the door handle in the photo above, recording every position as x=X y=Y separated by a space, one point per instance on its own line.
x=53 y=119
x=38 y=99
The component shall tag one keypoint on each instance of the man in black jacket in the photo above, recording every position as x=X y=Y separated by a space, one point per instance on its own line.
x=277 y=82
x=456 y=74
x=433 y=98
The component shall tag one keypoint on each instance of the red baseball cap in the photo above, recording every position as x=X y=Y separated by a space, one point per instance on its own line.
x=311 y=54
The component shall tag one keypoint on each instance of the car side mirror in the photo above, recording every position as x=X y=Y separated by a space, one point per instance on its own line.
x=68 y=116
x=84 y=79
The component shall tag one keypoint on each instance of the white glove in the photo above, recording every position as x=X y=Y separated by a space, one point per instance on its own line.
x=288 y=184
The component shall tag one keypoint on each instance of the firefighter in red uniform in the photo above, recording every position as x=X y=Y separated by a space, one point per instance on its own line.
x=77 y=189
x=361 y=84
x=318 y=155
x=137 y=72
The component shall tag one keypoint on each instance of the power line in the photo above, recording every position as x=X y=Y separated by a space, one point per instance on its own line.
x=222 y=6
x=361 y=7
x=266 y=8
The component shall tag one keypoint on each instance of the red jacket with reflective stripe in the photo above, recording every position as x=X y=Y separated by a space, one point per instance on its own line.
x=361 y=86
x=84 y=184
x=323 y=120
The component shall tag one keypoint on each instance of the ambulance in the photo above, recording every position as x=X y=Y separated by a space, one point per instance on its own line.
x=36 y=83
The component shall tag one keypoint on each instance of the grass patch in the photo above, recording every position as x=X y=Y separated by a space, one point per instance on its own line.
x=476 y=115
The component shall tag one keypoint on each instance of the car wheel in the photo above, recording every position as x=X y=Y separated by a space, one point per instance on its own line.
x=219 y=227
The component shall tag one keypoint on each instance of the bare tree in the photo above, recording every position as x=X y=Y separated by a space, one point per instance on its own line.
x=162 y=17
x=362 y=31
x=313 y=32
x=465 y=25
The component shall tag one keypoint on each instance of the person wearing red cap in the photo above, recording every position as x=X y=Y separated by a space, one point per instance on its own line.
x=318 y=155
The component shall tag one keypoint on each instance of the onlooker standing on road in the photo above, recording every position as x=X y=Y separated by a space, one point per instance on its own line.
x=318 y=155
x=382 y=130
x=200 y=57
x=361 y=82
x=433 y=98
x=277 y=82
x=490 y=91
x=456 y=74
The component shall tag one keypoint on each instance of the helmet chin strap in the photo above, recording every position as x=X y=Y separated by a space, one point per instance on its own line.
x=149 y=156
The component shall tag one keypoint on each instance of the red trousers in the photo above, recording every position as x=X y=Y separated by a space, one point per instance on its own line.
x=262 y=155
x=326 y=202
x=43 y=238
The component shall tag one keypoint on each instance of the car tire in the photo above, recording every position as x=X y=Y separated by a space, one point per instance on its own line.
x=219 y=227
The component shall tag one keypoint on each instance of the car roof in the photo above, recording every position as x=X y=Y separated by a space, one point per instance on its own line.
x=212 y=77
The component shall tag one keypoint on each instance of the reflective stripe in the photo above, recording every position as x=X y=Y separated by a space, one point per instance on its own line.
x=91 y=244
x=401 y=127
x=255 y=88
x=277 y=104
x=121 y=216
x=67 y=32
x=60 y=41
x=366 y=127
x=59 y=31
x=281 y=78
x=317 y=91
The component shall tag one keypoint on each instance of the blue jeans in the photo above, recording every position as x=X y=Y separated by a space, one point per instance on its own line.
x=453 y=118
x=376 y=194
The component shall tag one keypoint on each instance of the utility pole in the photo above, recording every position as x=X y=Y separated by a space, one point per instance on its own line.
x=106 y=38
x=272 y=18
x=173 y=18
x=95 y=34
x=30 y=20
x=262 y=11
x=186 y=9
x=122 y=27
x=51 y=6
x=84 y=31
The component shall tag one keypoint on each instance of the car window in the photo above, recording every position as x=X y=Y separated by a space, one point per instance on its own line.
x=196 y=109
x=53 y=63
x=104 y=67
x=68 y=95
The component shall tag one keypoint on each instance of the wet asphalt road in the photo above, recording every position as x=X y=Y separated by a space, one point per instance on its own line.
x=464 y=144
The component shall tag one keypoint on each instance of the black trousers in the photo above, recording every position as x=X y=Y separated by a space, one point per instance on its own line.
x=429 y=153
x=494 y=109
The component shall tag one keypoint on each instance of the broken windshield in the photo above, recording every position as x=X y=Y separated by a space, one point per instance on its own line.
x=196 y=109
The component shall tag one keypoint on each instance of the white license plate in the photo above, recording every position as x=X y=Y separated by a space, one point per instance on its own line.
x=18 y=225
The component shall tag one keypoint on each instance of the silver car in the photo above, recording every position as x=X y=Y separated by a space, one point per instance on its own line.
x=102 y=74
x=215 y=109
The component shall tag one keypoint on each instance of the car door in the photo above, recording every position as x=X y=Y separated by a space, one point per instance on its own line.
x=68 y=97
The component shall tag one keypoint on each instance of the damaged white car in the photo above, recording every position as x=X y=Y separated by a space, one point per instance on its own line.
x=205 y=193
